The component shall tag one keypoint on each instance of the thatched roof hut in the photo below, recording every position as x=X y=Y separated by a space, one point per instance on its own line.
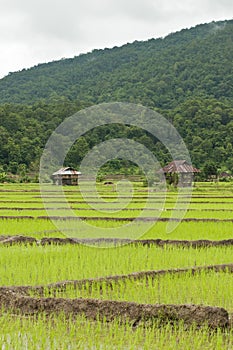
x=179 y=171
x=66 y=176
x=180 y=167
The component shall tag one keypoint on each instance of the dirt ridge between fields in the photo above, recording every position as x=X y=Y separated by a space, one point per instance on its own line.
x=109 y=218
x=18 y=299
x=147 y=314
x=9 y=240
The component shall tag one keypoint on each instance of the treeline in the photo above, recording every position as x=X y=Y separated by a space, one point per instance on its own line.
x=205 y=125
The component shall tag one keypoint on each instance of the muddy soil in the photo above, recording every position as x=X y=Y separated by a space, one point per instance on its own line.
x=12 y=240
x=213 y=317
x=144 y=242
x=19 y=239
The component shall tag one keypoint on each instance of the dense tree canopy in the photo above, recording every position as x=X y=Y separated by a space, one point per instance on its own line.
x=187 y=76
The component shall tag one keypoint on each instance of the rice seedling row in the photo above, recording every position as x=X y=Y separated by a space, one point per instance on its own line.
x=209 y=217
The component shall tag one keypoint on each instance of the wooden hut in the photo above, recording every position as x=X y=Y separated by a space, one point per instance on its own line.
x=66 y=176
x=179 y=172
x=225 y=175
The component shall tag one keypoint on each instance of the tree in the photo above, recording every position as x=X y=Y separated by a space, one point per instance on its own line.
x=210 y=170
x=3 y=175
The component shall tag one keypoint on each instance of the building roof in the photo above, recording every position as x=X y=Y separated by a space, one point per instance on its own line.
x=179 y=166
x=67 y=171
x=224 y=174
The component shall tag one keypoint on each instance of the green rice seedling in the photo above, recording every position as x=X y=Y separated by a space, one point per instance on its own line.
x=26 y=227
x=33 y=265
x=58 y=332
x=192 y=230
x=208 y=288
x=40 y=265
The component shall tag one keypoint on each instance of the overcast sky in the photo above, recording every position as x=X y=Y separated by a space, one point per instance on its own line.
x=37 y=31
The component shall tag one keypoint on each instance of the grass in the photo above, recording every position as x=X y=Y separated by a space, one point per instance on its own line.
x=126 y=213
x=42 y=265
x=184 y=288
x=40 y=228
x=33 y=265
x=43 y=332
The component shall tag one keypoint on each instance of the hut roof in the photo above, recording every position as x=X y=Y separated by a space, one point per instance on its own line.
x=179 y=166
x=224 y=174
x=67 y=171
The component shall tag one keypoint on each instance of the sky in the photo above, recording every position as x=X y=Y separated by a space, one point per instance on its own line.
x=33 y=31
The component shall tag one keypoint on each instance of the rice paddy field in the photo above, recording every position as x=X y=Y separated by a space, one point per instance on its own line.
x=67 y=283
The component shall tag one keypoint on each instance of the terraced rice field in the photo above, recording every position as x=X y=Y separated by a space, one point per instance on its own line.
x=64 y=286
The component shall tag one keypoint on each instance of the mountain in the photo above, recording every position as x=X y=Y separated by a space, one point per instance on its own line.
x=188 y=76
x=158 y=72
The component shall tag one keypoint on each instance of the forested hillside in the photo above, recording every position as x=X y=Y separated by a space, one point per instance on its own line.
x=187 y=76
